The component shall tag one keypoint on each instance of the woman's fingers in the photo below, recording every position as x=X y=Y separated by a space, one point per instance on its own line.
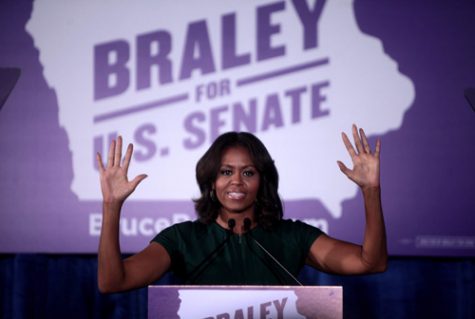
x=378 y=148
x=110 y=155
x=135 y=182
x=357 y=139
x=118 y=152
x=128 y=156
x=348 y=145
x=114 y=156
x=365 y=141
x=343 y=167
x=99 y=162
x=365 y=170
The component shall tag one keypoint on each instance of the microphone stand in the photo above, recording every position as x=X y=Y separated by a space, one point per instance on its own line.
x=247 y=227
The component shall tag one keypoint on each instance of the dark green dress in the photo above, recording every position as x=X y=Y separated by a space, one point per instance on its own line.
x=237 y=259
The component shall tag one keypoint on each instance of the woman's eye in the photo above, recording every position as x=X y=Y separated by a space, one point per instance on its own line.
x=248 y=173
x=226 y=172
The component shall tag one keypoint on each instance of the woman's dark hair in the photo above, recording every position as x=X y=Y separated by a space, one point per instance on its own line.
x=268 y=207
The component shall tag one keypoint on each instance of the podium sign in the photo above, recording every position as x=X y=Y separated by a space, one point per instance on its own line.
x=244 y=302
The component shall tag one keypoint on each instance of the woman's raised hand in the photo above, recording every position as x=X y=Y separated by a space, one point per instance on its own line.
x=365 y=170
x=115 y=185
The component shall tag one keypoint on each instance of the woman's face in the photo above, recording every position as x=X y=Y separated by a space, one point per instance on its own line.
x=237 y=183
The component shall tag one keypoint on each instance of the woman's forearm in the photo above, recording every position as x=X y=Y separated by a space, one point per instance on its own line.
x=374 y=252
x=110 y=267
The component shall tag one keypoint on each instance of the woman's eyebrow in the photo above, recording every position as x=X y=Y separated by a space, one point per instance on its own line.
x=233 y=166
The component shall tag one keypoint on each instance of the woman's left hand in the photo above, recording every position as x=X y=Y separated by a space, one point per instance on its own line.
x=365 y=172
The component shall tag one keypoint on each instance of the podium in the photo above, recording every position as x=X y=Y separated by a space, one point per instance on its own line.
x=245 y=302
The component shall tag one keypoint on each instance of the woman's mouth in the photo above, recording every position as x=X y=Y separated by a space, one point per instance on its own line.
x=236 y=195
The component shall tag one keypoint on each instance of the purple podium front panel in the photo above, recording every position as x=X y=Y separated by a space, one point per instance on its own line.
x=244 y=302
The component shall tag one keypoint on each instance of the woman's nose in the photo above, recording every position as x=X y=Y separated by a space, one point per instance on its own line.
x=236 y=179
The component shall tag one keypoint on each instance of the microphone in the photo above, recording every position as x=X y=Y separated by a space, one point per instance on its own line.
x=198 y=270
x=247 y=227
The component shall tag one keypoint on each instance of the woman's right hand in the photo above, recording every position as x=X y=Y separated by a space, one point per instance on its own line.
x=115 y=185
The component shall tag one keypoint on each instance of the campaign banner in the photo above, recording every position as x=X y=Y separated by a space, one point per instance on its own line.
x=170 y=77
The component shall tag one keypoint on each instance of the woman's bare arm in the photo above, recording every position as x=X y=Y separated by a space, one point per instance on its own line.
x=340 y=257
x=115 y=274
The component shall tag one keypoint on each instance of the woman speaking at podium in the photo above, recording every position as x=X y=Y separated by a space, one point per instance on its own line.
x=240 y=237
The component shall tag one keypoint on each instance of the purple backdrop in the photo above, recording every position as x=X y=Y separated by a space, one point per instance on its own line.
x=428 y=175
